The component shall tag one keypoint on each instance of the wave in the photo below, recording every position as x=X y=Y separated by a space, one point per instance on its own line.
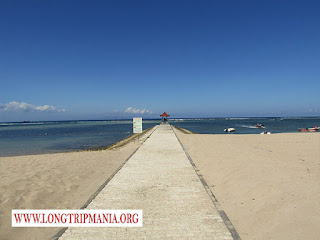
x=19 y=124
x=247 y=126
x=237 y=118
x=294 y=118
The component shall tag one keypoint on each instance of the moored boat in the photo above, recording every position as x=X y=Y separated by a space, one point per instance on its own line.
x=265 y=132
x=230 y=130
x=314 y=129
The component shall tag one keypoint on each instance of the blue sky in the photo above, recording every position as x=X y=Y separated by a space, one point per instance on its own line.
x=119 y=59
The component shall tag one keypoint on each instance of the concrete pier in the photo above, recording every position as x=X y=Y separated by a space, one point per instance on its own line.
x=160 y=180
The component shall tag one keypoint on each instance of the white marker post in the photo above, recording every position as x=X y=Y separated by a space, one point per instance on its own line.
x=137 y=125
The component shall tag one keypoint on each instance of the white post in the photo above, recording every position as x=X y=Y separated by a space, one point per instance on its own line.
x=137 y=125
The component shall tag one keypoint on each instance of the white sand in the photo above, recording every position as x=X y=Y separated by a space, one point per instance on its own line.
x=269 y=185
x=53 y=181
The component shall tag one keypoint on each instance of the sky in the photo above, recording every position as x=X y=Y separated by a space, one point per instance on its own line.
x=63 y=60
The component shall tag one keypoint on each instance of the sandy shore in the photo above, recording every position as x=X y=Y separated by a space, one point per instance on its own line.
x=269 y=185
x=53 y=181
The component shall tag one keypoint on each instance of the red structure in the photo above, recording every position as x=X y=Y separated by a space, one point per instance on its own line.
x=164 y=116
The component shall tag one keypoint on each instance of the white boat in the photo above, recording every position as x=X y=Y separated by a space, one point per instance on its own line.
x=265 y=133
x=230 y=130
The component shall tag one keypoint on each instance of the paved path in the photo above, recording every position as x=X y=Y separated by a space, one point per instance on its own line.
x=160 y=180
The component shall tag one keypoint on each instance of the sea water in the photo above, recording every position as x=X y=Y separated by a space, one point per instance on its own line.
x=64 y=136
x=246 y=125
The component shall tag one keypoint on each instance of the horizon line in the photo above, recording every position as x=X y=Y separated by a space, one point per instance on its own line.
x=129 y=119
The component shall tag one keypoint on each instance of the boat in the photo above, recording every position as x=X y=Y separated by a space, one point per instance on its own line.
x=258 y=125
x=230 y=130
x=314 y=129
x=265 y=132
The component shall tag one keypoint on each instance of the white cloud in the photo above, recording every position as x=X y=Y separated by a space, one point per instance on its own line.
x=27 y=107
x=138 y=111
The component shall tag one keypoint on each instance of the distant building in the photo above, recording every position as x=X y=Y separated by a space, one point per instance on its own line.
x=164 y=116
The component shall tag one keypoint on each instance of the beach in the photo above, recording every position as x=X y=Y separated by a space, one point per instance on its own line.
x=54 y=181
x=192 y=119
x=268 y=185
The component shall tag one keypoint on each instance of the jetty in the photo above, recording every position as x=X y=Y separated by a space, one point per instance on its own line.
x=161 y=180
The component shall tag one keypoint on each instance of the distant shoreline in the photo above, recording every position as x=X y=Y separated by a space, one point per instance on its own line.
x=156 y=119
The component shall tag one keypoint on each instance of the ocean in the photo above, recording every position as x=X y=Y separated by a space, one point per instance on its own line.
x=246 y=125
x=63 y=136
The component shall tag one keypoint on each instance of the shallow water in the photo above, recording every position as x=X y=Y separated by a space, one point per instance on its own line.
x=246 y=125
x=64 y=136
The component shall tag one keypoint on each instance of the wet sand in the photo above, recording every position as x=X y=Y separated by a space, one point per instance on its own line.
x=268 y=185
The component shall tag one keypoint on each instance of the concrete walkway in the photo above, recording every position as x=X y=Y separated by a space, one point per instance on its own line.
x=160 y=180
